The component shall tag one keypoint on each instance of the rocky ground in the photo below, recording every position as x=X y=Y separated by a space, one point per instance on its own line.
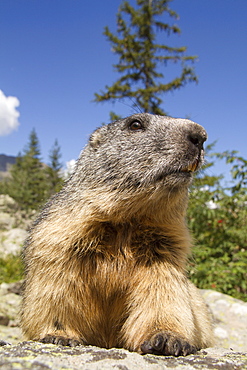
x=31 y=355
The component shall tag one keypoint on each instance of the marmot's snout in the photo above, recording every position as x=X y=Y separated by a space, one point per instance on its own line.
x=192 y=140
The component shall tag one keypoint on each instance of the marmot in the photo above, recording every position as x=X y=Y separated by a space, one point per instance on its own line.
x=106 y=258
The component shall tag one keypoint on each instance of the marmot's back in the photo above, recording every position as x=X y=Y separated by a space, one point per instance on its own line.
x=105 y=260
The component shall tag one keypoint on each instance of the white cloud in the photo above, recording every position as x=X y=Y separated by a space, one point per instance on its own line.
x=70 y=166
x=8 y=114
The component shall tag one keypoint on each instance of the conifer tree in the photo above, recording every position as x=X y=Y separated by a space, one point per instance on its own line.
x=53 y=170
x=142 y=57
x=28 y=183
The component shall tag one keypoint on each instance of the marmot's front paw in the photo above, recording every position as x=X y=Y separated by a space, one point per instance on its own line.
x=168 y=344
x=60 y=340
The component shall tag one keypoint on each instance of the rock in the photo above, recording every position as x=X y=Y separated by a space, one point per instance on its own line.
x=7 y=209
x=10 y=301
x=11 y=216
x=6 y=202
x=230 y=320
x=12 y=335
x=15 y=288
x=13 y=226
x=6 y=221
x=9 y=306
x=40 y=356
x=11 y=241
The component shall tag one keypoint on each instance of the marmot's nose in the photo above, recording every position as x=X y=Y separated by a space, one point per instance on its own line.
x=196 y=135
x=197 y=139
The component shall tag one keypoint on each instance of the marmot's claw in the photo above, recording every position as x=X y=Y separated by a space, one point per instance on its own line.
x=168 y=344
x=60 y=340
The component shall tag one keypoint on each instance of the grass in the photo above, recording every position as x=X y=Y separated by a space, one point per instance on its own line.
x=11 y=269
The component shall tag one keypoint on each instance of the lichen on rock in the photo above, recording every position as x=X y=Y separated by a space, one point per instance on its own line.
x=39 y=356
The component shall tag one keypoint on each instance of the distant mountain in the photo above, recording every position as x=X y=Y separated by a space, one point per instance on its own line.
x=6 y=161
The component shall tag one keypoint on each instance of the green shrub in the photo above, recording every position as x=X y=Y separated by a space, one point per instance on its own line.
x=11 y=269
x=217 y=217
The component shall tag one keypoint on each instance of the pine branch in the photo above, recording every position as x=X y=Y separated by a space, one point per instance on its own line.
x=142 y=58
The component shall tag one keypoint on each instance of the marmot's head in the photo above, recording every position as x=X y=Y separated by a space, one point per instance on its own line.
x=138 y=166
x=143 y=150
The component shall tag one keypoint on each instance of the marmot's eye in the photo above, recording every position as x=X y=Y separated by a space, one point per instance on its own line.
x=135 y=126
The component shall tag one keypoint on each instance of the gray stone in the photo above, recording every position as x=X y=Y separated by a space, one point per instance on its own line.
x=230 y=320
x=40 y=356
x=9 y=308
x=6 y=201
x=11 y=216
x=9 y=334
x=6 y=221
x=11 y=241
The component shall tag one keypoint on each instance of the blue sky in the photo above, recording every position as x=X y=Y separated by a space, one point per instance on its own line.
x=54 y=57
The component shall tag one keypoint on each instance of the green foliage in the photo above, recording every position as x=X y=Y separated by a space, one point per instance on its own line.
x=31 y=181
x=55 y=180
x=114 y=116
x=142 y=58
x=28 y=184
x=11 y=269
x=217 y=217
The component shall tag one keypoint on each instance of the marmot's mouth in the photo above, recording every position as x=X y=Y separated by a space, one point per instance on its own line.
x=184 y=171
x=192 y=167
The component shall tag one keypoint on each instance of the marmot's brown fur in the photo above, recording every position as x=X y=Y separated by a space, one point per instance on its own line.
x=105 y=260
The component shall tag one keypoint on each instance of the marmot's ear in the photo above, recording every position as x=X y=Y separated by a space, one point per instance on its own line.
x=98 y=137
